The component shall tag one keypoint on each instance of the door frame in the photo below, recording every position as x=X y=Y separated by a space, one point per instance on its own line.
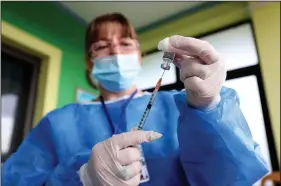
x=48 y=82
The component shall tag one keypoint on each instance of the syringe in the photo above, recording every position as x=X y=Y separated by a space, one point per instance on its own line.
x=167 y=60
x=150 y=103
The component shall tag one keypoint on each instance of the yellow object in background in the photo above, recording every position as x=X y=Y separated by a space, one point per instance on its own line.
x=266 y=23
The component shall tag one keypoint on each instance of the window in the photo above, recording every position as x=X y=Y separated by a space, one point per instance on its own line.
x=9 y=102
x=19 y=74
x=237 y=45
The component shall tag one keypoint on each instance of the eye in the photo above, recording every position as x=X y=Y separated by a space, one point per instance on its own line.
x=101 y=46
x=126 y=43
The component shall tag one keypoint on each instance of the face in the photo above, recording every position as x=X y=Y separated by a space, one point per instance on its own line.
x=111 y=42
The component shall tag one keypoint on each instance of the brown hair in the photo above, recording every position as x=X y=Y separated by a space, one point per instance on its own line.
x=92 y=33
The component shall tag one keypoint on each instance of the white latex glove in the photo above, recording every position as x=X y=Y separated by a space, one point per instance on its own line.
x=202 y=69
x=115 y=161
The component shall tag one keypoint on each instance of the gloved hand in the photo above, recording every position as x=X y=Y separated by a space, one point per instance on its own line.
x=202 y=69
x=115 y=161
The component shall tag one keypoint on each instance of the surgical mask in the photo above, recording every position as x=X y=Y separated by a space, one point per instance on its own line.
x=117 y=72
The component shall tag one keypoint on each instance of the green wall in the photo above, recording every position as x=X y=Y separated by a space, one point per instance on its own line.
x=48 y=22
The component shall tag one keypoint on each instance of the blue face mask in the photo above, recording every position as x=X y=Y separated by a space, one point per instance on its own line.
x=117 y=72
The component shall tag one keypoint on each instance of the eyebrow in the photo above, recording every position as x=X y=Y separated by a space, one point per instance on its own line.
x=106 y=39
x=102 y=39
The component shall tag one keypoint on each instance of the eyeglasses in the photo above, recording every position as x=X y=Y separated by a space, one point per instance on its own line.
x=124 y=45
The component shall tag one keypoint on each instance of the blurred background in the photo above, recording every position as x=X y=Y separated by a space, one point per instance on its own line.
x=43 y=62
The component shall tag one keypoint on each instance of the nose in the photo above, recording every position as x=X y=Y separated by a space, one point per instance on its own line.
x=114 y=48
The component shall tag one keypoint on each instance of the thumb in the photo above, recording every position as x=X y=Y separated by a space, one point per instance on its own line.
x=134 y=138
x=165 y=46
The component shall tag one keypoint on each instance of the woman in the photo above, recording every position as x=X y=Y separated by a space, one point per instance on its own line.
x=205 y=138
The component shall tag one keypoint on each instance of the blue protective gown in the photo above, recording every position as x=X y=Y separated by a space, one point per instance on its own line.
x=198 y=148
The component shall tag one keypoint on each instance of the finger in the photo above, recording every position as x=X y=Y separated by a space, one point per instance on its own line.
x=191 y=66
x=134 y=180
x=180 y=59
x=193 y=84
x=128 y=155
x=134 y=129
x=165 y=46
x=177 y=61
x=195 y=47
x=134 y=138
x=192 y=47
x=130 y=171
x=202 y=87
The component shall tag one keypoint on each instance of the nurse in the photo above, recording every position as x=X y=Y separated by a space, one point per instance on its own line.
x=196 y=137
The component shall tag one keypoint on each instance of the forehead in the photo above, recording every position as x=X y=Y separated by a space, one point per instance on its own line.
x=110 y=30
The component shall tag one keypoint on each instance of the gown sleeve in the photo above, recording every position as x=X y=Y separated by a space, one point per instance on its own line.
x=35 y=159
x=216 y=146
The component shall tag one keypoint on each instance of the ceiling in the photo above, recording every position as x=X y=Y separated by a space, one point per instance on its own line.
x=140 y=14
